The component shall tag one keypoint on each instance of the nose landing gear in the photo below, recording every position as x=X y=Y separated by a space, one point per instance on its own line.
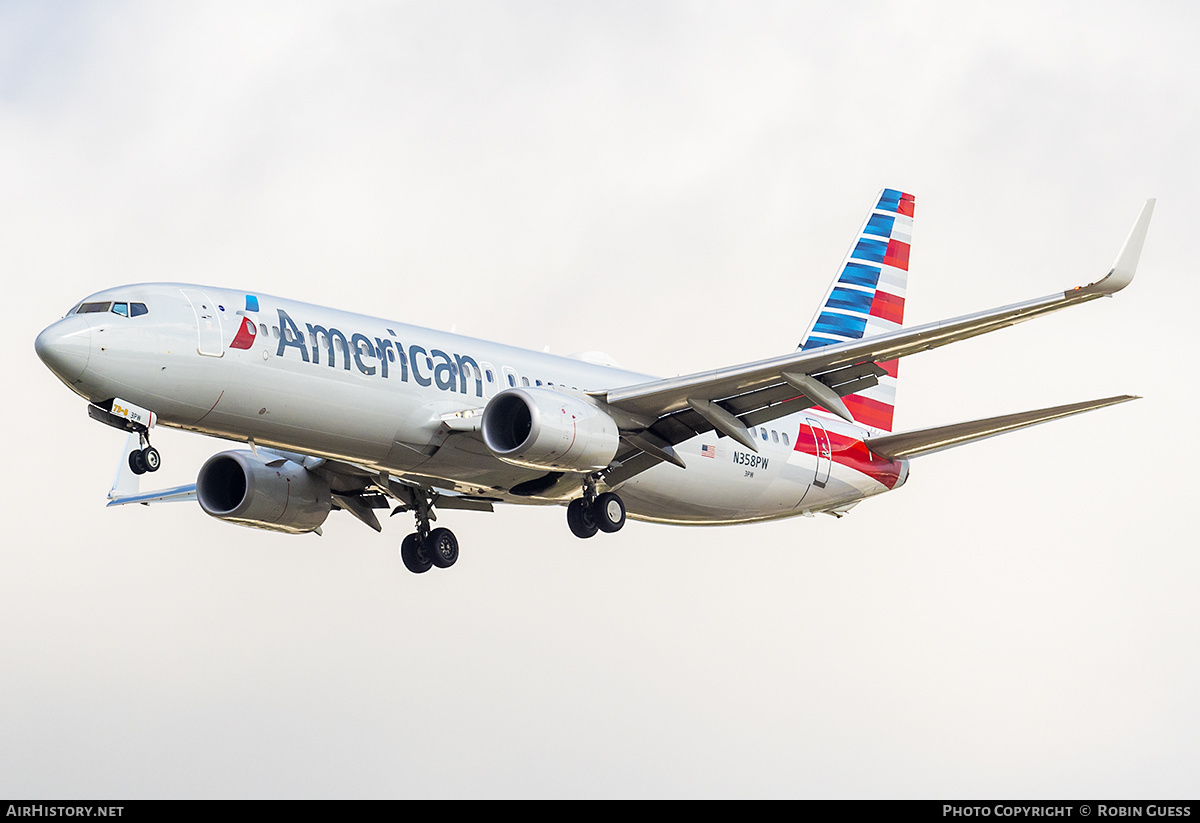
x=145 y=459
x=134 y=420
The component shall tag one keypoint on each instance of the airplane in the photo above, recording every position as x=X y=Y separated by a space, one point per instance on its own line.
x=356 y=413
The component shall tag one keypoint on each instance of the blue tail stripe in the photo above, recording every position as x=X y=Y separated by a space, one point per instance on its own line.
x=815 y=342
x=856 y=274
x=850 y=299
x=842 y=324
x=880 y=225
x=889 y=200
x=872 y=250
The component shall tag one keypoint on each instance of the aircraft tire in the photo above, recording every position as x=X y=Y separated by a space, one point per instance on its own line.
x=609 y=512
x=581 y=519
x=416 y=560
x=442 y=548
x=137 y=462
x=151 y=458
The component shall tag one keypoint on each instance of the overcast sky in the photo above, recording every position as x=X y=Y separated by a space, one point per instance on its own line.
x=674 y=184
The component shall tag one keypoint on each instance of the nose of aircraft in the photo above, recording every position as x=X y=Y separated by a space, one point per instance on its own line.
x=65 y=347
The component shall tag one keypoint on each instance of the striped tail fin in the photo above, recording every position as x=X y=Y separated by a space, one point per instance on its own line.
x=867 y=298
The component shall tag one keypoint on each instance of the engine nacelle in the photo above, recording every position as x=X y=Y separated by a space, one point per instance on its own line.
x=547 y=429
x=278 y=495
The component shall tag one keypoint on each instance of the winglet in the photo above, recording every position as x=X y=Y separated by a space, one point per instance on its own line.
x=1125 y=266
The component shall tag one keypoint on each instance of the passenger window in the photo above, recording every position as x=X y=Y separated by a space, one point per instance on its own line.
x=512 y=380
x=785 y=440
x=275 y=332
x=774 y=436
x=490 y=377
x=524 y=381
x=262 y=327
x=764 y=434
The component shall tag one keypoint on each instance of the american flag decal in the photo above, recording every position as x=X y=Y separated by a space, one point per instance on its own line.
x=708 y=451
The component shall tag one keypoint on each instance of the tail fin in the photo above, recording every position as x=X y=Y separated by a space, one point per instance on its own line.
x=867 y=298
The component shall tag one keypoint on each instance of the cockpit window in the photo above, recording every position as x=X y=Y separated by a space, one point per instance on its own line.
x=123 y=309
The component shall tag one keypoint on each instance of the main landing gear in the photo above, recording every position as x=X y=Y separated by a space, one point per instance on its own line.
x=426 y=548
x=595 y=512
x=145 y=459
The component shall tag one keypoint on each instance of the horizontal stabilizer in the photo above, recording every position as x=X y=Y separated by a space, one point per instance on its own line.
x=940 y=438
x=187 y=492
x=126 y=487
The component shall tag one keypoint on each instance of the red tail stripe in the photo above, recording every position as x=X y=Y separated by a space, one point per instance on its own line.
x=888 y=307
x=897 y=254
x=870 y=412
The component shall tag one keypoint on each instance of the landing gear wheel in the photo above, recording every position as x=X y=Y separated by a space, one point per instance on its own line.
x=581 y=519
x=412 y=552
x=137 y=462
x=609 y=512
x=151 y=459
x=442 y=548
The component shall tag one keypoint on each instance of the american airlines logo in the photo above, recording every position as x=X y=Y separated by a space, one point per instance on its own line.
x=371 y=356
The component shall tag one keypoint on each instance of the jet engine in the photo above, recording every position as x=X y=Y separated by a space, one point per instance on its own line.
x=274 y=494
x=549 y=430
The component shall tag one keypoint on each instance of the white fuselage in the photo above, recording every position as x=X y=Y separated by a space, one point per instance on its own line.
x=373 y=393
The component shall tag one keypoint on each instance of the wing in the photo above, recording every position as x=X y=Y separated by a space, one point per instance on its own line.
x=354 y=489
x=731 y=399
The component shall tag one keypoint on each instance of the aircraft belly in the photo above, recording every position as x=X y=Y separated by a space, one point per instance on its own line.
x=723 y=483
x=725 y=488
x=463 y=462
